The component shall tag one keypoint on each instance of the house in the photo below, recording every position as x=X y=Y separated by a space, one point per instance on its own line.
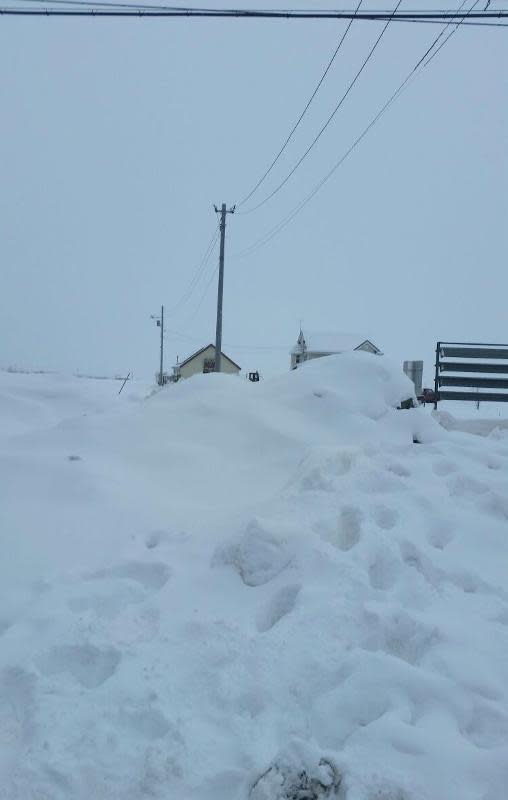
x=311 y=345
x=203 y=361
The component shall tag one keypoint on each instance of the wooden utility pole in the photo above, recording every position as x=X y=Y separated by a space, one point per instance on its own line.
x=220 y=288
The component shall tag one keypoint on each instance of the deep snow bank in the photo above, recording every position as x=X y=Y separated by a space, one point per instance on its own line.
x=266 y=591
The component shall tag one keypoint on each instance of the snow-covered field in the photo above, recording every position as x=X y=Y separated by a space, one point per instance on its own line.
x=225 y=590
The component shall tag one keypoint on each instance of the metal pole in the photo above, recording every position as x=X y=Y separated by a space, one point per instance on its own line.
x=436 y=375
x=161 y=374
x=220 y=290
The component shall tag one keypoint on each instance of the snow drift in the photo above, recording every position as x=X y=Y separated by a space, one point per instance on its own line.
x=250 y=591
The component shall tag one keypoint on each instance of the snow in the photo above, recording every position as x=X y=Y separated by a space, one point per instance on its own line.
x=250 y=591
x=331 y=342
x=483 y=421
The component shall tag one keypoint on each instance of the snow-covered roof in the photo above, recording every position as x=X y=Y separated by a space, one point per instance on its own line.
x=331 y=342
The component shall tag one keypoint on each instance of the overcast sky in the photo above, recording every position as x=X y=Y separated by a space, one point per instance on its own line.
x=117 y=137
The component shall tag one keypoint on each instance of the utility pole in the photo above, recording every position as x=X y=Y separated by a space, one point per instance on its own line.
x=161 y=372
x=220 y=289
x=160 y=324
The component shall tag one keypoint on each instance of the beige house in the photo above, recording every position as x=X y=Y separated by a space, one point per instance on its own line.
x=311 y=345
x=203 y=361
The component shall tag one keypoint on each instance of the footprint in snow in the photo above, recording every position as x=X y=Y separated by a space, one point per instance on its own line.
x=117 y=588
x=17 y=705
x=349 y=528
x=145 y=723
x=443 y=467
x=385 y=517
x=322 y=466
x=440 y=534
x=496 y=505
x=384 y=571
x=258 y=555
x=464 y=486
x=347 y=531
x=160 y=538
x=89 y=665
x=398 y=634
x=152 y=576
x=281 y=604
x=416 y=559
x=487 y=728
x=398 y=469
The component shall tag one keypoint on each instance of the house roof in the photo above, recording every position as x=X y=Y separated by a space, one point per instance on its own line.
x=331 y=342
x=202 y=350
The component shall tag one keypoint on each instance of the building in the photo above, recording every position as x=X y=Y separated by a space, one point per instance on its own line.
x=414 y=371
x=203 y=361
x=311 y=345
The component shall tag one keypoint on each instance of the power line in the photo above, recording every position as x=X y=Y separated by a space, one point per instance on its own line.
x=251 y=348
x=328 y=121
x=100 y=4
x=257 y=347
x=263 y=240
x=295 y=126
x=434 y=54
x=199 y=272
x=205 y=292
x=325 y=13
x=127 y=10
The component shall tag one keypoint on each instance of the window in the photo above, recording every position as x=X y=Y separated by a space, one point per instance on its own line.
x=209 y=365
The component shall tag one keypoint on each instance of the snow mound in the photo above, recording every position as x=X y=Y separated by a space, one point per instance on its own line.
x=251 y=591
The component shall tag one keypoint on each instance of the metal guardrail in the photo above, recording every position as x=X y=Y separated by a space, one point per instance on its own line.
x=475 y=375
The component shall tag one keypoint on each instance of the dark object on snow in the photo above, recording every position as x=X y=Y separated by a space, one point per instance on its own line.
x=281 y=782
x=125 y=380
x=254 y=376
x=405 y=404
x=427 y=396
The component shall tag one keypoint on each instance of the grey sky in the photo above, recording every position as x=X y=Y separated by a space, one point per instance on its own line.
x=119 y=135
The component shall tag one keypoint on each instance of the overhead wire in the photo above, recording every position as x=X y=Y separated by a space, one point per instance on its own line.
x=100 y=4
x=246 y=347
x=127 y=10
x=198 y=273
x=257 y=347
x=269 y=235
x=452 y=32
x=300 y=118
x=328 y=121
x=194 y=314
